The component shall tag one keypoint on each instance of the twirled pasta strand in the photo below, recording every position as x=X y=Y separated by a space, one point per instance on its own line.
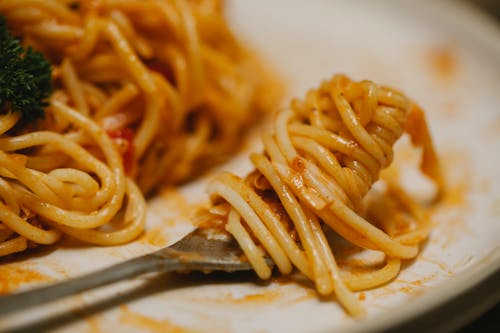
x=76 y=200
x=323 y=157
x=146 y=93
x=168 y=72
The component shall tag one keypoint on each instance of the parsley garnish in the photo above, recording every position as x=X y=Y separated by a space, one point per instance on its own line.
x=25 y=78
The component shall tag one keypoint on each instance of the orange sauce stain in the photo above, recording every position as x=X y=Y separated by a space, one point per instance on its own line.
x=449 y=214
x=180 y=211
x=408 y=289
x=169 y=222
x=450 y=157
x=271 y=296
x=267 y=296
x=93 y=324
x=14 y=275
x=414 y=287
x=174 y=199
x=457 y=185
x=155 y=236
x=419 y=282
x=309 y=294
x=361 y=296
x=306 y=291
x=456 y=193
x=442 y=61
x=442 y=266
x=144 y=323
x=264 y=297
x=450 y=232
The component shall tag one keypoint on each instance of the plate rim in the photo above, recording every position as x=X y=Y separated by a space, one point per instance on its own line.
x=476 y=281
x=481 y=281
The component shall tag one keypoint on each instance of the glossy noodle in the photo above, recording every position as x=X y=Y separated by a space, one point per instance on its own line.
x=146 y=94
x=149 y=93
x=323 y=157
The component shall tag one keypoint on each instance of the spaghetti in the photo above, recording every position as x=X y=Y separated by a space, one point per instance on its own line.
x=39 y=202
x=152 y=92
x=324 y=156
x=166 y=78
x=146 y=93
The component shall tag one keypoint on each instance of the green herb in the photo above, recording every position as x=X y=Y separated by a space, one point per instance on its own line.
x=25 y=77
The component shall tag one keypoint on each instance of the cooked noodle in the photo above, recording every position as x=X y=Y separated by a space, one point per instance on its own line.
x=324 y=156
x=168 y=74
x=38 y=204
x=146 y=92
x=152 y=92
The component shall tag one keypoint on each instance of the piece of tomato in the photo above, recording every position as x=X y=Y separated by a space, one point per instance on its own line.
x=123 y=139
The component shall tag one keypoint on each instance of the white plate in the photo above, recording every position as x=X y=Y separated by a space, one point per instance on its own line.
x=443 y=54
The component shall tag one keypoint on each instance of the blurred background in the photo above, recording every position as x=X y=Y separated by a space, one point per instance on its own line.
x=492 y=6
x=489 y=322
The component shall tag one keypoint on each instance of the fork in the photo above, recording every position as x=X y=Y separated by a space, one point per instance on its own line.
x=203 y=250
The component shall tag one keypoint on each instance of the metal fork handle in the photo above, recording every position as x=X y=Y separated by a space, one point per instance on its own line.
x=195 y=252
x=130 y=268
x=164 y=260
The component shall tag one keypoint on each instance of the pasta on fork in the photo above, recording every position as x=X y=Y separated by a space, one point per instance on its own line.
x=325 y=154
